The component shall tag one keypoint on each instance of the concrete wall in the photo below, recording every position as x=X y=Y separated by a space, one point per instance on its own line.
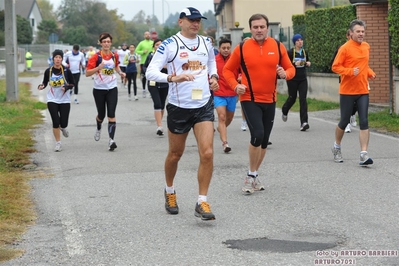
x=21 y=68
x=321 y=86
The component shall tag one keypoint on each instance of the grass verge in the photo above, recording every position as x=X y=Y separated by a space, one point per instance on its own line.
x=17 y=119
x=380 y=121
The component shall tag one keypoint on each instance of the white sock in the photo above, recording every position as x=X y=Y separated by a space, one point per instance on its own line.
x=254 y=174
x=170 y=190
x=363 y=152
x=201 y=198
x=337 y=146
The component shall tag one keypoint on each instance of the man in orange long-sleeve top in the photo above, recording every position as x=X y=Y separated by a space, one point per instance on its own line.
x=261 y=65
x=352 y=63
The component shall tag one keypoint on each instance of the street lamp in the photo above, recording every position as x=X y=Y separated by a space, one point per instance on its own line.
x=163 y=10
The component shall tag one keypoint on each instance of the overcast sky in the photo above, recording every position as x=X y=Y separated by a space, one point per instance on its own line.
x=129 y=8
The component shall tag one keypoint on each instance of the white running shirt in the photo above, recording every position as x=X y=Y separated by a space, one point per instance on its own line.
x=55 y=94
x=183 y=55
x=105 y=79
x=121 y=54
x=74 y=61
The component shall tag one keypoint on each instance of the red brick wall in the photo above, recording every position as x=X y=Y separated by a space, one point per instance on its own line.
x=375 y=17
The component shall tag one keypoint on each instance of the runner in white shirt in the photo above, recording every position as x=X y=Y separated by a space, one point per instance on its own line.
x=122 y=53
x=104 y=65
x=60 y=80
x=190 y=60
x=74 y=60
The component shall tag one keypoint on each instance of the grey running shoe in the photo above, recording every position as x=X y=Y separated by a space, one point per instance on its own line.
x=244 y=125
x=65 y=132
x=305 y=126
x=226 y=147
x=337 y=155
x=160 y=131
x=203 y=211
x=284 y=117
x=97 y=135
x=352 y=121
x=57 y=147
x=111 y=145
x=365 y=159
x=170 y=203
x=348 y=128
x=248 y=187
x=258 y=186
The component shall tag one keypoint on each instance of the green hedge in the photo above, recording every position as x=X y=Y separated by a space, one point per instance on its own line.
x=325 y=31
x=394 y=30
x=298 y=25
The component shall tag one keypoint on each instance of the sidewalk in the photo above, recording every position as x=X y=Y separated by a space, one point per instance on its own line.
x=107 y=208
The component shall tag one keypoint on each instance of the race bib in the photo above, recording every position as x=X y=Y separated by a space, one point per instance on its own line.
x=196 y=94
x=56 y=82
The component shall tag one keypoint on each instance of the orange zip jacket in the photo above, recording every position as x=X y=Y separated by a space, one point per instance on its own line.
x=350 y=55
x=261 y=62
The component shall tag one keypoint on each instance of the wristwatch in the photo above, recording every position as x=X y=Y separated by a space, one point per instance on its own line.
x=216 y=76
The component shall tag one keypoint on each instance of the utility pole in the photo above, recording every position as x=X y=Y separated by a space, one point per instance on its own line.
x=11 y=50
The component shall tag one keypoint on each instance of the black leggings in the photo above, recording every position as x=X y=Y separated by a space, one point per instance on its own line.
x=260 y=119
x=59 y=113
x=76 y=78
x=158 y=96
x=106 y=100
x=347 y=102
x=143 y=79
x=295 y=87
x=131 y=76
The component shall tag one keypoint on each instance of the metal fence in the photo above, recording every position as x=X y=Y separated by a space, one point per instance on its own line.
x=284 y=35
x=40 y=53
x=20 y=55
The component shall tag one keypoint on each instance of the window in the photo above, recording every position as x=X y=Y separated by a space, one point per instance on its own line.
x=32 y=22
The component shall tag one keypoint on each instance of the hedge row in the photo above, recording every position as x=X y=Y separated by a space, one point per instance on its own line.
x=325 y=31
x=393 y=21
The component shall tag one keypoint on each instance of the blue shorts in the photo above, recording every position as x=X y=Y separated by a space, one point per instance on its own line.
x=229 y=101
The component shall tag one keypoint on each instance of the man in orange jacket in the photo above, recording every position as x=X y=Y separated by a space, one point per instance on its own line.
x=262 y=60
x=352 y=63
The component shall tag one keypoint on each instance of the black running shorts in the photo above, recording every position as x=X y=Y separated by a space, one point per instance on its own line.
x=181 y=120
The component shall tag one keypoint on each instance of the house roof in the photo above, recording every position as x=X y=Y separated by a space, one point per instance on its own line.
x=219 y=4
x=24 y=7
x=313 y=2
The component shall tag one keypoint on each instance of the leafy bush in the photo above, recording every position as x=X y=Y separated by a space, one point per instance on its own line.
x=325 y=30
x=394 y=30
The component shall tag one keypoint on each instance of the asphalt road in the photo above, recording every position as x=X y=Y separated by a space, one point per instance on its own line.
x=107 y=208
